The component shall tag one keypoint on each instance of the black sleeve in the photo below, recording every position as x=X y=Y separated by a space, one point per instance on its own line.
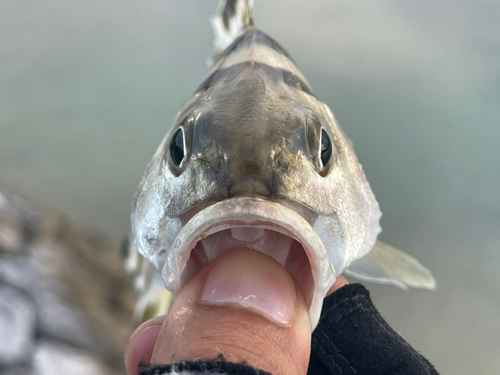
x=353 y=338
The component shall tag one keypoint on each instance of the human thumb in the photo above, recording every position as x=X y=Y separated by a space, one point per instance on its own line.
x=245 y=307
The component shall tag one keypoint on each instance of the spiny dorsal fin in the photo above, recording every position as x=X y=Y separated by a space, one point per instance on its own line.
x=234 y=17
x=387 y=265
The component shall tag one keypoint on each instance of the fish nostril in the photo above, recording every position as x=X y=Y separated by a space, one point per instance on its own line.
x=281 y=161
x=217 y=163
x=214 y=156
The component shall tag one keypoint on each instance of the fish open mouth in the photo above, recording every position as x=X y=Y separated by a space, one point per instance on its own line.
x=254 y=223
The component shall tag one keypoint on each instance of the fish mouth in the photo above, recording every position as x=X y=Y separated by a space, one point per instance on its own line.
x=254 y=223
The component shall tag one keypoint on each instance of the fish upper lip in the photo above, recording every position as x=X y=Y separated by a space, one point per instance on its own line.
x=307 y=213
x=250 y=212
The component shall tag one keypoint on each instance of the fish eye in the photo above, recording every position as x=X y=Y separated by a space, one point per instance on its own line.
x=326 y=148
x=177 y=147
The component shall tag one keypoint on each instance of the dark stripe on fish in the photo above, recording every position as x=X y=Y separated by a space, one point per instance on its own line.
x=229 y=12
x=253 y=36
x=232 y=72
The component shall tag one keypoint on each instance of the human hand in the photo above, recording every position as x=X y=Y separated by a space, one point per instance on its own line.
x=245 y=306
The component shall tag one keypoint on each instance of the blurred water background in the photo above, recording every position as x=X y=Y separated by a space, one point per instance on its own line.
x=88 y=89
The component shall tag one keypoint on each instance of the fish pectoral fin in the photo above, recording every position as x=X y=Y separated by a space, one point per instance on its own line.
x=387 y=265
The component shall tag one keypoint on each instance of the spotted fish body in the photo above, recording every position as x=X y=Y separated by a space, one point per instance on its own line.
x=255 y=157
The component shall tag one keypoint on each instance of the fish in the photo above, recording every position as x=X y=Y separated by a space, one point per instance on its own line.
x=255 y=160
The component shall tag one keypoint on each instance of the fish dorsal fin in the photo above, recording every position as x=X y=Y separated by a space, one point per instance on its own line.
x=234 y=17
x=387 y=265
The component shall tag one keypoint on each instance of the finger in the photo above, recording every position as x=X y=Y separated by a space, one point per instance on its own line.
x=141 y=344
x=245 y=306
x=339 y=283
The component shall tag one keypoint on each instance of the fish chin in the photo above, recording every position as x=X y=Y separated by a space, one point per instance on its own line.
x=258 y=224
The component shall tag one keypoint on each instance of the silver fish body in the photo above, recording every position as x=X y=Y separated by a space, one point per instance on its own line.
x=254 y=157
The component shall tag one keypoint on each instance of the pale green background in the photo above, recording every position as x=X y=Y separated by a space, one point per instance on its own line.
x=89 y=87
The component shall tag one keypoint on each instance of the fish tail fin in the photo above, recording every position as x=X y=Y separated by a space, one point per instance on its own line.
x=233 y=18
x=387 y=265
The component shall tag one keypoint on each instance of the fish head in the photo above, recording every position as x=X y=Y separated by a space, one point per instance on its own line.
x=255 y=160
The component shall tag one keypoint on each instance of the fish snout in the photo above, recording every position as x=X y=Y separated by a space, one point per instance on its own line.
x=249 y=187
x=260 y=177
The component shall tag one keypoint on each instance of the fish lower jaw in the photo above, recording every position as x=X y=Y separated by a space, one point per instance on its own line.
x=285 y=250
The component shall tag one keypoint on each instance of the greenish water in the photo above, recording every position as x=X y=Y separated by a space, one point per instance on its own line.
x=89 y=88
